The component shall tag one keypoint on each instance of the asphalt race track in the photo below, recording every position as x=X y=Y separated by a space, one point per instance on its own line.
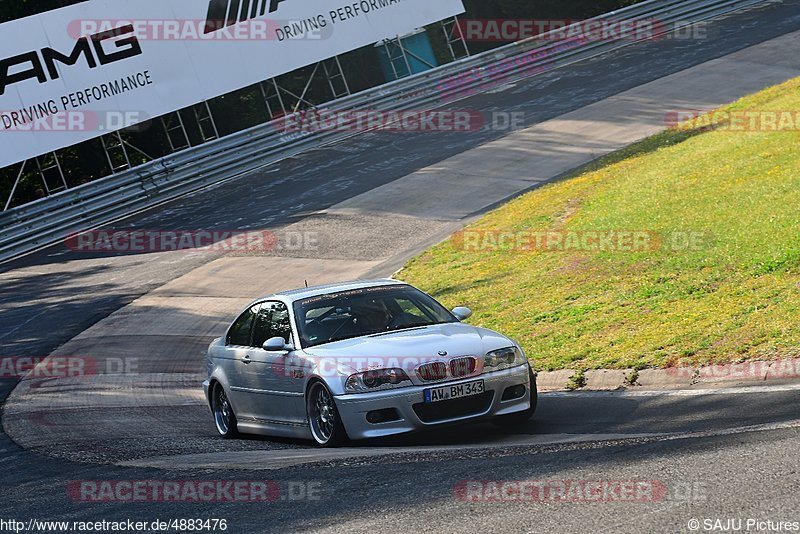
x=724 y=455
x=719 y=452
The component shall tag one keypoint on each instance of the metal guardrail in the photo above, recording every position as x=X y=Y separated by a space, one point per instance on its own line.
x=44 y=222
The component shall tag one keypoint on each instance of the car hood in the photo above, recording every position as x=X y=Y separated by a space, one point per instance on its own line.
x=419 y=344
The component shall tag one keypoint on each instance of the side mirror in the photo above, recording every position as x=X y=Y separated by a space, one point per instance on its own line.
x=277 y=344
x=462 y=313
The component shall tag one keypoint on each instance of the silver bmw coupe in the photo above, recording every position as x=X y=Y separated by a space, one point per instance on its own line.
x=361 y=360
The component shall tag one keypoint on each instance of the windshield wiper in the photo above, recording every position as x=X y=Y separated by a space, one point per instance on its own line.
x=405 y=328
x=333 y=334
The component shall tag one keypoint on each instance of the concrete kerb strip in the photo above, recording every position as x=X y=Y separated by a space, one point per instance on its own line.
x=723 y=374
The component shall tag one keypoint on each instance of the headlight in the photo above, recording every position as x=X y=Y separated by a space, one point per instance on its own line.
x=376 y=380
x=503 y=359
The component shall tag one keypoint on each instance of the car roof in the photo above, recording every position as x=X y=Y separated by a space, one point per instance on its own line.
x=313 y=291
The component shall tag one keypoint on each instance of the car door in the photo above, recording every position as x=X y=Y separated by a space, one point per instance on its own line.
x=291 y=368
x=238 y=342
x=269 y=374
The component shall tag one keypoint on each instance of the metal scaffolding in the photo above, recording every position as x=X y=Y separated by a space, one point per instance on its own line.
x=48 y=167
x=116 y=148
x=175 y=127
x=456 y=42
x=51 y=173
x=205 y=122
x=398 y=54
x=279 y=101
x=16 y=183
x=116 y=153
x=334 y=74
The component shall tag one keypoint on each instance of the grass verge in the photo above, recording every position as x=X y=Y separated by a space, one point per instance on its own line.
x=683 y=249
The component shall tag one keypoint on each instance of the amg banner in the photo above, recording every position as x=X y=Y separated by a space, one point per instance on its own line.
x=79 y=72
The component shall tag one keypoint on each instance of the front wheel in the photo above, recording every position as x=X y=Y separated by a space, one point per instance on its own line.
x=519 y=418
x=224 y=418
x=324 y=422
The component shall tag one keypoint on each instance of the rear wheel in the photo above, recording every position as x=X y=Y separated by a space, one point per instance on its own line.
x=519 y=418
x=324 y=422
x=224 y=418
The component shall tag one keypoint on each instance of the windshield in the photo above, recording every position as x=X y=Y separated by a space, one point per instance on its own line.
x=363 y=312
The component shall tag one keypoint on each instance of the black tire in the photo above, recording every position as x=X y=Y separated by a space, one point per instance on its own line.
x=518 y=418
x=324 y=421
x=222 y=410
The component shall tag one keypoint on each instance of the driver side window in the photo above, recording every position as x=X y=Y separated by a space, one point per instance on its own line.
x=272 y=320
x=239 y=334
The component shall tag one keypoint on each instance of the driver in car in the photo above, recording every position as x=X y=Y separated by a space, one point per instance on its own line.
x=373 y=315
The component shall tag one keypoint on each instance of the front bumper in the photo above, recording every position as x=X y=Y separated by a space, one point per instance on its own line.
x=354 y=408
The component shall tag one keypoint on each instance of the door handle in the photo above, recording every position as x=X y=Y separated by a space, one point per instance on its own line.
x=247 y=359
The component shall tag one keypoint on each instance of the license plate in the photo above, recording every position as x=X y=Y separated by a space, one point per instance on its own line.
x=454 y=392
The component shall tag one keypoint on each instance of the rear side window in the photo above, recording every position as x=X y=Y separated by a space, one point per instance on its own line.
x=272 y=321
x=239 y=334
